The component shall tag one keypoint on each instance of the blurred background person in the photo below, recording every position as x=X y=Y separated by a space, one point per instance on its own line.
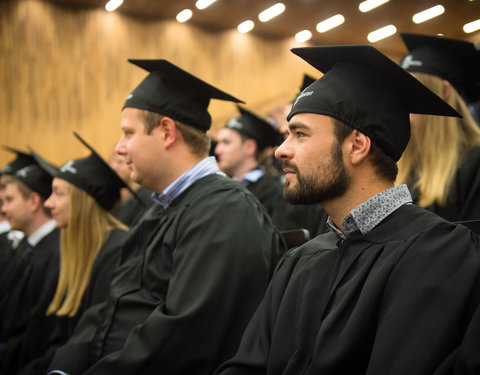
x=84 y=191
x=441 y=162
x=131 y=206
x=245 y=146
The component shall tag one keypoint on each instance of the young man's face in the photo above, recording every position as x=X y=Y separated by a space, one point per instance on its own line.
x=16 y=208
x=59 y=202
x=230 y=151
x=312 y=161
x=142 y=151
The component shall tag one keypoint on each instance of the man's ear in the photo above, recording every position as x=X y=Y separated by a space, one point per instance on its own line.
x=35 y=201
x=447 y=89
x=250 y=146
x=168 y=131
x=358 y=146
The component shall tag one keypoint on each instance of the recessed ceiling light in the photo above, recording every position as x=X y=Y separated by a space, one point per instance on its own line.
x=113 y=4
x=271 y=12
x=303 y=36
x=368 y=5
x=428 y=14
x=245 y=27
x=202 y=4
x=471 y=26
x=330 y=23
x=184 y=15
x=382 y=33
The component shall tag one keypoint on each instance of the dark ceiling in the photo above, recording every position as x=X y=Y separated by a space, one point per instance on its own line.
x=305 y=14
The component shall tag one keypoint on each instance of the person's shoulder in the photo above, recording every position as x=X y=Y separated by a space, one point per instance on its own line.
x=324 y=242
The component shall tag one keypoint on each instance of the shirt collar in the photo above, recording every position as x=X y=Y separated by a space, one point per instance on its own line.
x=372 y=212
x=4 y=226
x=204 y=168
x=252 y=176
x=41 y=232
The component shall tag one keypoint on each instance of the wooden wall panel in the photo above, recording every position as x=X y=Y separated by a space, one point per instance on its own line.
x=65 y=70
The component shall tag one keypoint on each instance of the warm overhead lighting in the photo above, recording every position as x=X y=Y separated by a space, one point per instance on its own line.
x=303 y=36
x=202 y=4
x=428 y=14
x=113 y=4
x=382 y=33
x=271 y=12
x=245 y=27
x=330 y=23
x=368 y=5
x=184 y=15
x=471 y=26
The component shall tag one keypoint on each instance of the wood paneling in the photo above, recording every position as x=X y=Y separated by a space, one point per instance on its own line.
x=65 y=70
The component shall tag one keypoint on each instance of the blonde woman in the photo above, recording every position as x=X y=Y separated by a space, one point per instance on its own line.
x=83 y=192
x=441 y=162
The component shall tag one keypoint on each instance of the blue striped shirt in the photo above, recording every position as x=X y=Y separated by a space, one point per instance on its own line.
x=204 y=168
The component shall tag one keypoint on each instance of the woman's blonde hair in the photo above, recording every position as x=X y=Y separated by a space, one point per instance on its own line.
x=437 y=147
x=88 y=228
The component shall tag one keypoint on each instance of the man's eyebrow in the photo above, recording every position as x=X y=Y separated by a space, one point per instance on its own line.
x=297 y=125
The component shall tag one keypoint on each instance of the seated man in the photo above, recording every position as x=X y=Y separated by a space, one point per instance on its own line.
x=196 y=265
x=390 y=289
x=244 y=147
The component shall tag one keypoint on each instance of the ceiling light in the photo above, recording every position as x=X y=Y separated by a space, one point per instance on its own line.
x=245 y=27
x=330 y=23
x=303 y=36
x=471 y=26
x=428 y=14
x=382 y=33
x=113 y=4
x=184 y=15
x=370 y=4
x=202 y=4
x=271 y=12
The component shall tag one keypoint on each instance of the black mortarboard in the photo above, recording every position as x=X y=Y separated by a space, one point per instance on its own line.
x=91 y=174
x=307 y=81
x=22 y=160
x=36 y=179
x=454 y=60
x=171 y=91
x=254 y=127
x=366 y=90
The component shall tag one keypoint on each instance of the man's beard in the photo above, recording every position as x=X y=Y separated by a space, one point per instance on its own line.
x=330 y=181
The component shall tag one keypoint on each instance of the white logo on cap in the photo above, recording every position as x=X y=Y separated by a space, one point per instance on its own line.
x=129 y=96
x=409 y=61
x=68 y=167
x=234 y=124
x=307 y=93
x=23 y=172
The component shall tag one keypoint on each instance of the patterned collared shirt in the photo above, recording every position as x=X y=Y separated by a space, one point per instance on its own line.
x=204 y=168
x=371 y=212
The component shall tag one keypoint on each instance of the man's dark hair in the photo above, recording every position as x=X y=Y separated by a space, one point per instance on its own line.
x=385 y=166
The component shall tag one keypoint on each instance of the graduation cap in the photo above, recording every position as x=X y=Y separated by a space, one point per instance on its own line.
x=254 y=127
x=307 y=81
x=22 y=160
x=36 y=179
x=171 y=91
x=454 y=60
x=91 y=174
x=366 y=90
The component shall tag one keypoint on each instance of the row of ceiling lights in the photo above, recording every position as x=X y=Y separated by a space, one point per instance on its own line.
x=323 y=26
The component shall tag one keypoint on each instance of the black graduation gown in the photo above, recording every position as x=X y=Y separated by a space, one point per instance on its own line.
x=269 y=191
x=191 y=277
x=31 y=290
x=40 y=342
x=131 y=210
x=465 y=200
x=395 y=301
